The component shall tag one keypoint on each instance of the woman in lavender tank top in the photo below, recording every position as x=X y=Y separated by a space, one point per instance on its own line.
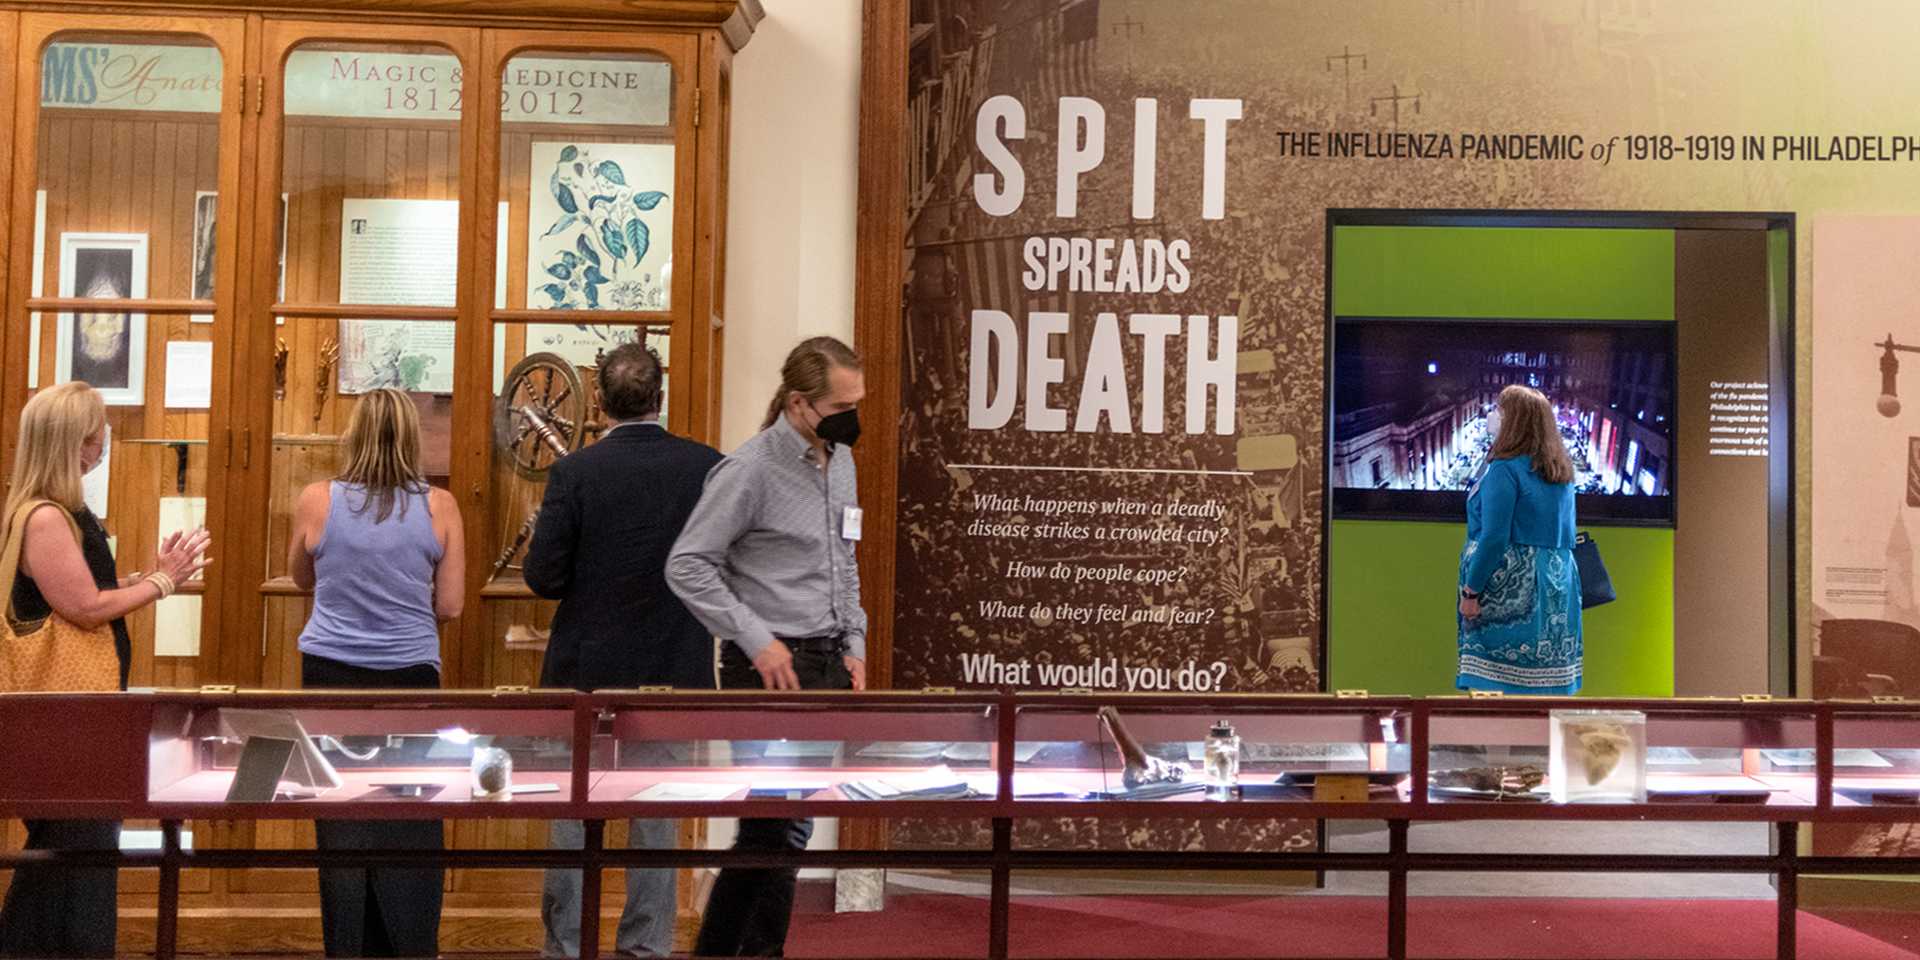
x=382 y=552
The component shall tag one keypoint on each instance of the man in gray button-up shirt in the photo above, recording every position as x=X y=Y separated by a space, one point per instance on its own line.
x=766 y=562
x=768 y=555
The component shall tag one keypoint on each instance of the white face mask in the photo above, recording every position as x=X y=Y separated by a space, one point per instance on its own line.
x=1493 y=424
x=106 y=437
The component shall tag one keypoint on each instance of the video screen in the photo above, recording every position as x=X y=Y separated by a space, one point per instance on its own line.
x=1411 y=399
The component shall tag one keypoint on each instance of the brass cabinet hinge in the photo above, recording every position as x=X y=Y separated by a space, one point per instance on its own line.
x=698 y=99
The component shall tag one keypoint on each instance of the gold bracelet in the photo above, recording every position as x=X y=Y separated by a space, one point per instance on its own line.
x=162 y=582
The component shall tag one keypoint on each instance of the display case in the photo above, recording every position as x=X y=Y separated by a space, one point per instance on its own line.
x=1876 y=759
x=909 y=754
x=1651 y=752
x=344 y=756
x=1289 y=750
x=995 y=757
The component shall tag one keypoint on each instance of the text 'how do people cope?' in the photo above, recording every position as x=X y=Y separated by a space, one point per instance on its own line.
x=1103 y=673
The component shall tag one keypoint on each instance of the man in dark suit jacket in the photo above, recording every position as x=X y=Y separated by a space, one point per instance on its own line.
x=609 y=518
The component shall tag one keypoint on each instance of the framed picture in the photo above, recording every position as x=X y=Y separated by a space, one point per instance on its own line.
x=106 y=348
x=205 y=204
x=600 y=226
x=206 y=207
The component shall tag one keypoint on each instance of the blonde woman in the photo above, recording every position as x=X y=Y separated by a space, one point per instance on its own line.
x=382 y=552
x=69 y=911
x=1519 y=587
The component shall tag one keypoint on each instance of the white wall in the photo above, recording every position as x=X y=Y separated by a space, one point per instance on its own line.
x=790 y=201
x=790 y=215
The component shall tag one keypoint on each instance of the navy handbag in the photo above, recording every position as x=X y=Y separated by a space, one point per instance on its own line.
x=1596 y=587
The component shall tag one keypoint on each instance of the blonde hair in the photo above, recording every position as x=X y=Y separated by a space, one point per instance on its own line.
x=383 y=451
x=805 y=372
x=54 y=425
x=1527 y=430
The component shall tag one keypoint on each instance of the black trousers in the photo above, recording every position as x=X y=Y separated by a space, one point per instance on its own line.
x=63 y=911
x=377 y=911
x=750 y=908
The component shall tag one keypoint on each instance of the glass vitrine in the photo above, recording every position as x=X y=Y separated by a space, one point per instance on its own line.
x=327 y=750
x=1232 y=749
x=906 y=747
x=1876 y=756
x=1503 y=750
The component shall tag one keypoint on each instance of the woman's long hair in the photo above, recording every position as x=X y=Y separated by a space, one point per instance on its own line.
x=1527 y=430
x=54 y=425
x=383 y=451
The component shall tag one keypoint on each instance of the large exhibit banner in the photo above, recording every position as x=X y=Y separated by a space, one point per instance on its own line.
x=1114 y=330
x=1103 y=481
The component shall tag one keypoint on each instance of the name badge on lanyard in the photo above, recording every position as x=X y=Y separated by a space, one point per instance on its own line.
x=850 y=524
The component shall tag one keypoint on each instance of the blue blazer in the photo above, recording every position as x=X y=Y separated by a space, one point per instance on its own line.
x=1511 y=505
x=611 y=512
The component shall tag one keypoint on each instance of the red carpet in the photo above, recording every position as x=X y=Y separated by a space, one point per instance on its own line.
x=939 y=925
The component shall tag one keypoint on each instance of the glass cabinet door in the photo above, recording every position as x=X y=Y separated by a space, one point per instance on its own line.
x=128 y=280
x=364 y=156
x=593 y=197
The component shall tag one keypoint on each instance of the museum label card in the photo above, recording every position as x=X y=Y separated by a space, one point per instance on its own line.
x=189 y=374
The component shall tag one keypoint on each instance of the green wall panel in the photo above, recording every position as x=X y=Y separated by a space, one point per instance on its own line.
x=1392 y=603
x=1391 y=584
x=1515 y=272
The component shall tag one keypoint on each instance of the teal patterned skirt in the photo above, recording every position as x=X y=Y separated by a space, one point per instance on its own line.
x=1527 y=637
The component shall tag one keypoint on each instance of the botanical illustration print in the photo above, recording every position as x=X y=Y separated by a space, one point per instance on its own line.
x=604 y=238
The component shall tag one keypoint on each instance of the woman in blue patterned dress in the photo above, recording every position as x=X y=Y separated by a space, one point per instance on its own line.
x=1519 y=588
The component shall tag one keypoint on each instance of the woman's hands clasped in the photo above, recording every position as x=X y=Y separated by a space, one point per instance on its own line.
x=182 y=554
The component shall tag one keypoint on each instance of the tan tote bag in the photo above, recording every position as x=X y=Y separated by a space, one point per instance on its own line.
x=51 y=655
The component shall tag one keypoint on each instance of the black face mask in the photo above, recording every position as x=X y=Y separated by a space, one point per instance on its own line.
x=842 y=427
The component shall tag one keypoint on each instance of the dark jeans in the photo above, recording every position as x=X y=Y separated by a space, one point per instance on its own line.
x=748 y=912
x=377 y=911
x=63 y=911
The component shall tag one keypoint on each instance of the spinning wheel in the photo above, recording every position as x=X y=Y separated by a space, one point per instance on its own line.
x=543 y=413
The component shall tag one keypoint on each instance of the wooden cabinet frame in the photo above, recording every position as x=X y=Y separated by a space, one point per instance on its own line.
x=254 y=37
x=35 y=31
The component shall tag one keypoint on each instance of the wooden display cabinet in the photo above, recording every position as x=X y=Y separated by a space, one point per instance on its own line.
x=297 y=189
